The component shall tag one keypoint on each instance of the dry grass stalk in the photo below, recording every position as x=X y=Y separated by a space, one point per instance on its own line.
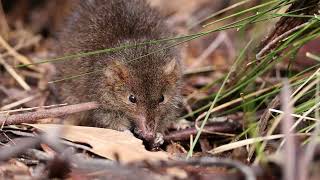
x=13 y=52
x=19 y=102
x=4 y=27
x=14 y=74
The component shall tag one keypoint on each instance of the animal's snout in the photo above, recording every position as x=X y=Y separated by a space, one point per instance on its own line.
x=147 y=135
x=151 y=140
x=147 y=131
x=144 y=129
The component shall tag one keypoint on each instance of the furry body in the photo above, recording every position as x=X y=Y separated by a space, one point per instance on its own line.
x=153 y=80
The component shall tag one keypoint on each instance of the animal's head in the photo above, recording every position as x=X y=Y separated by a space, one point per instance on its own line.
x=145 y=90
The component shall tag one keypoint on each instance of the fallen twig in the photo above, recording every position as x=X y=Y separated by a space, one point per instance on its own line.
x=201 y=164
x=24 y=143
x=33 y=117
x=214 y=128
x=33 y=108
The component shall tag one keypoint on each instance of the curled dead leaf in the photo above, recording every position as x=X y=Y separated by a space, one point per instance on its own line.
x=106 y=142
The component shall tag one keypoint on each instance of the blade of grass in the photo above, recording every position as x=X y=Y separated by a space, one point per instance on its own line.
x=309 y=153
x=294 y=115
x=234 y=145
x=151 y=42
x=252 y=75
x=313 y=56
x=220 y=12
x=99 y=70
x=233 y=68
x=245 y=11
x=278 y=119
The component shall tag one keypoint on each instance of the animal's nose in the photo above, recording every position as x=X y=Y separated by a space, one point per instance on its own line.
x=143 y=131
x=148 y=138
x=148 y=135
x=145 y=128
x=151 y=139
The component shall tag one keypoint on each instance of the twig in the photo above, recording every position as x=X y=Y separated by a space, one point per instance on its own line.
x=39 y=155
x=24 y=143
x=32 y=117
x=33 y=108
x=216 y=128
x=202 y=162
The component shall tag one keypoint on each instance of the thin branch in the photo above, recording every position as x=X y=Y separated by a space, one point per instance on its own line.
x=33 y=117
x=33 y=108
x=218 y=128
x=200 y=163
x=12 y=151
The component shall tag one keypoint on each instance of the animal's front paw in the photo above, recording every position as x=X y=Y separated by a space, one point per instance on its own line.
x=158 y=140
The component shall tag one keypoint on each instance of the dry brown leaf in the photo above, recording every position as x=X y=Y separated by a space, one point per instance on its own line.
x=106 y=142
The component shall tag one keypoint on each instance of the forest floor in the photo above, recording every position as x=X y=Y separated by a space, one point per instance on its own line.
x=254 y=66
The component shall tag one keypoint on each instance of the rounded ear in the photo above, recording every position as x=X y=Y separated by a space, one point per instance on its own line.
x=116 y=71
x=170 y=67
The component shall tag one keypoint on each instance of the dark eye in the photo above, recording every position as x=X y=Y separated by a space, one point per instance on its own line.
x=161 y=99
x=132 y=99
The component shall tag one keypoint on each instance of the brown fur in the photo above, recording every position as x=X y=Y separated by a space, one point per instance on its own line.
x=101 y=24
